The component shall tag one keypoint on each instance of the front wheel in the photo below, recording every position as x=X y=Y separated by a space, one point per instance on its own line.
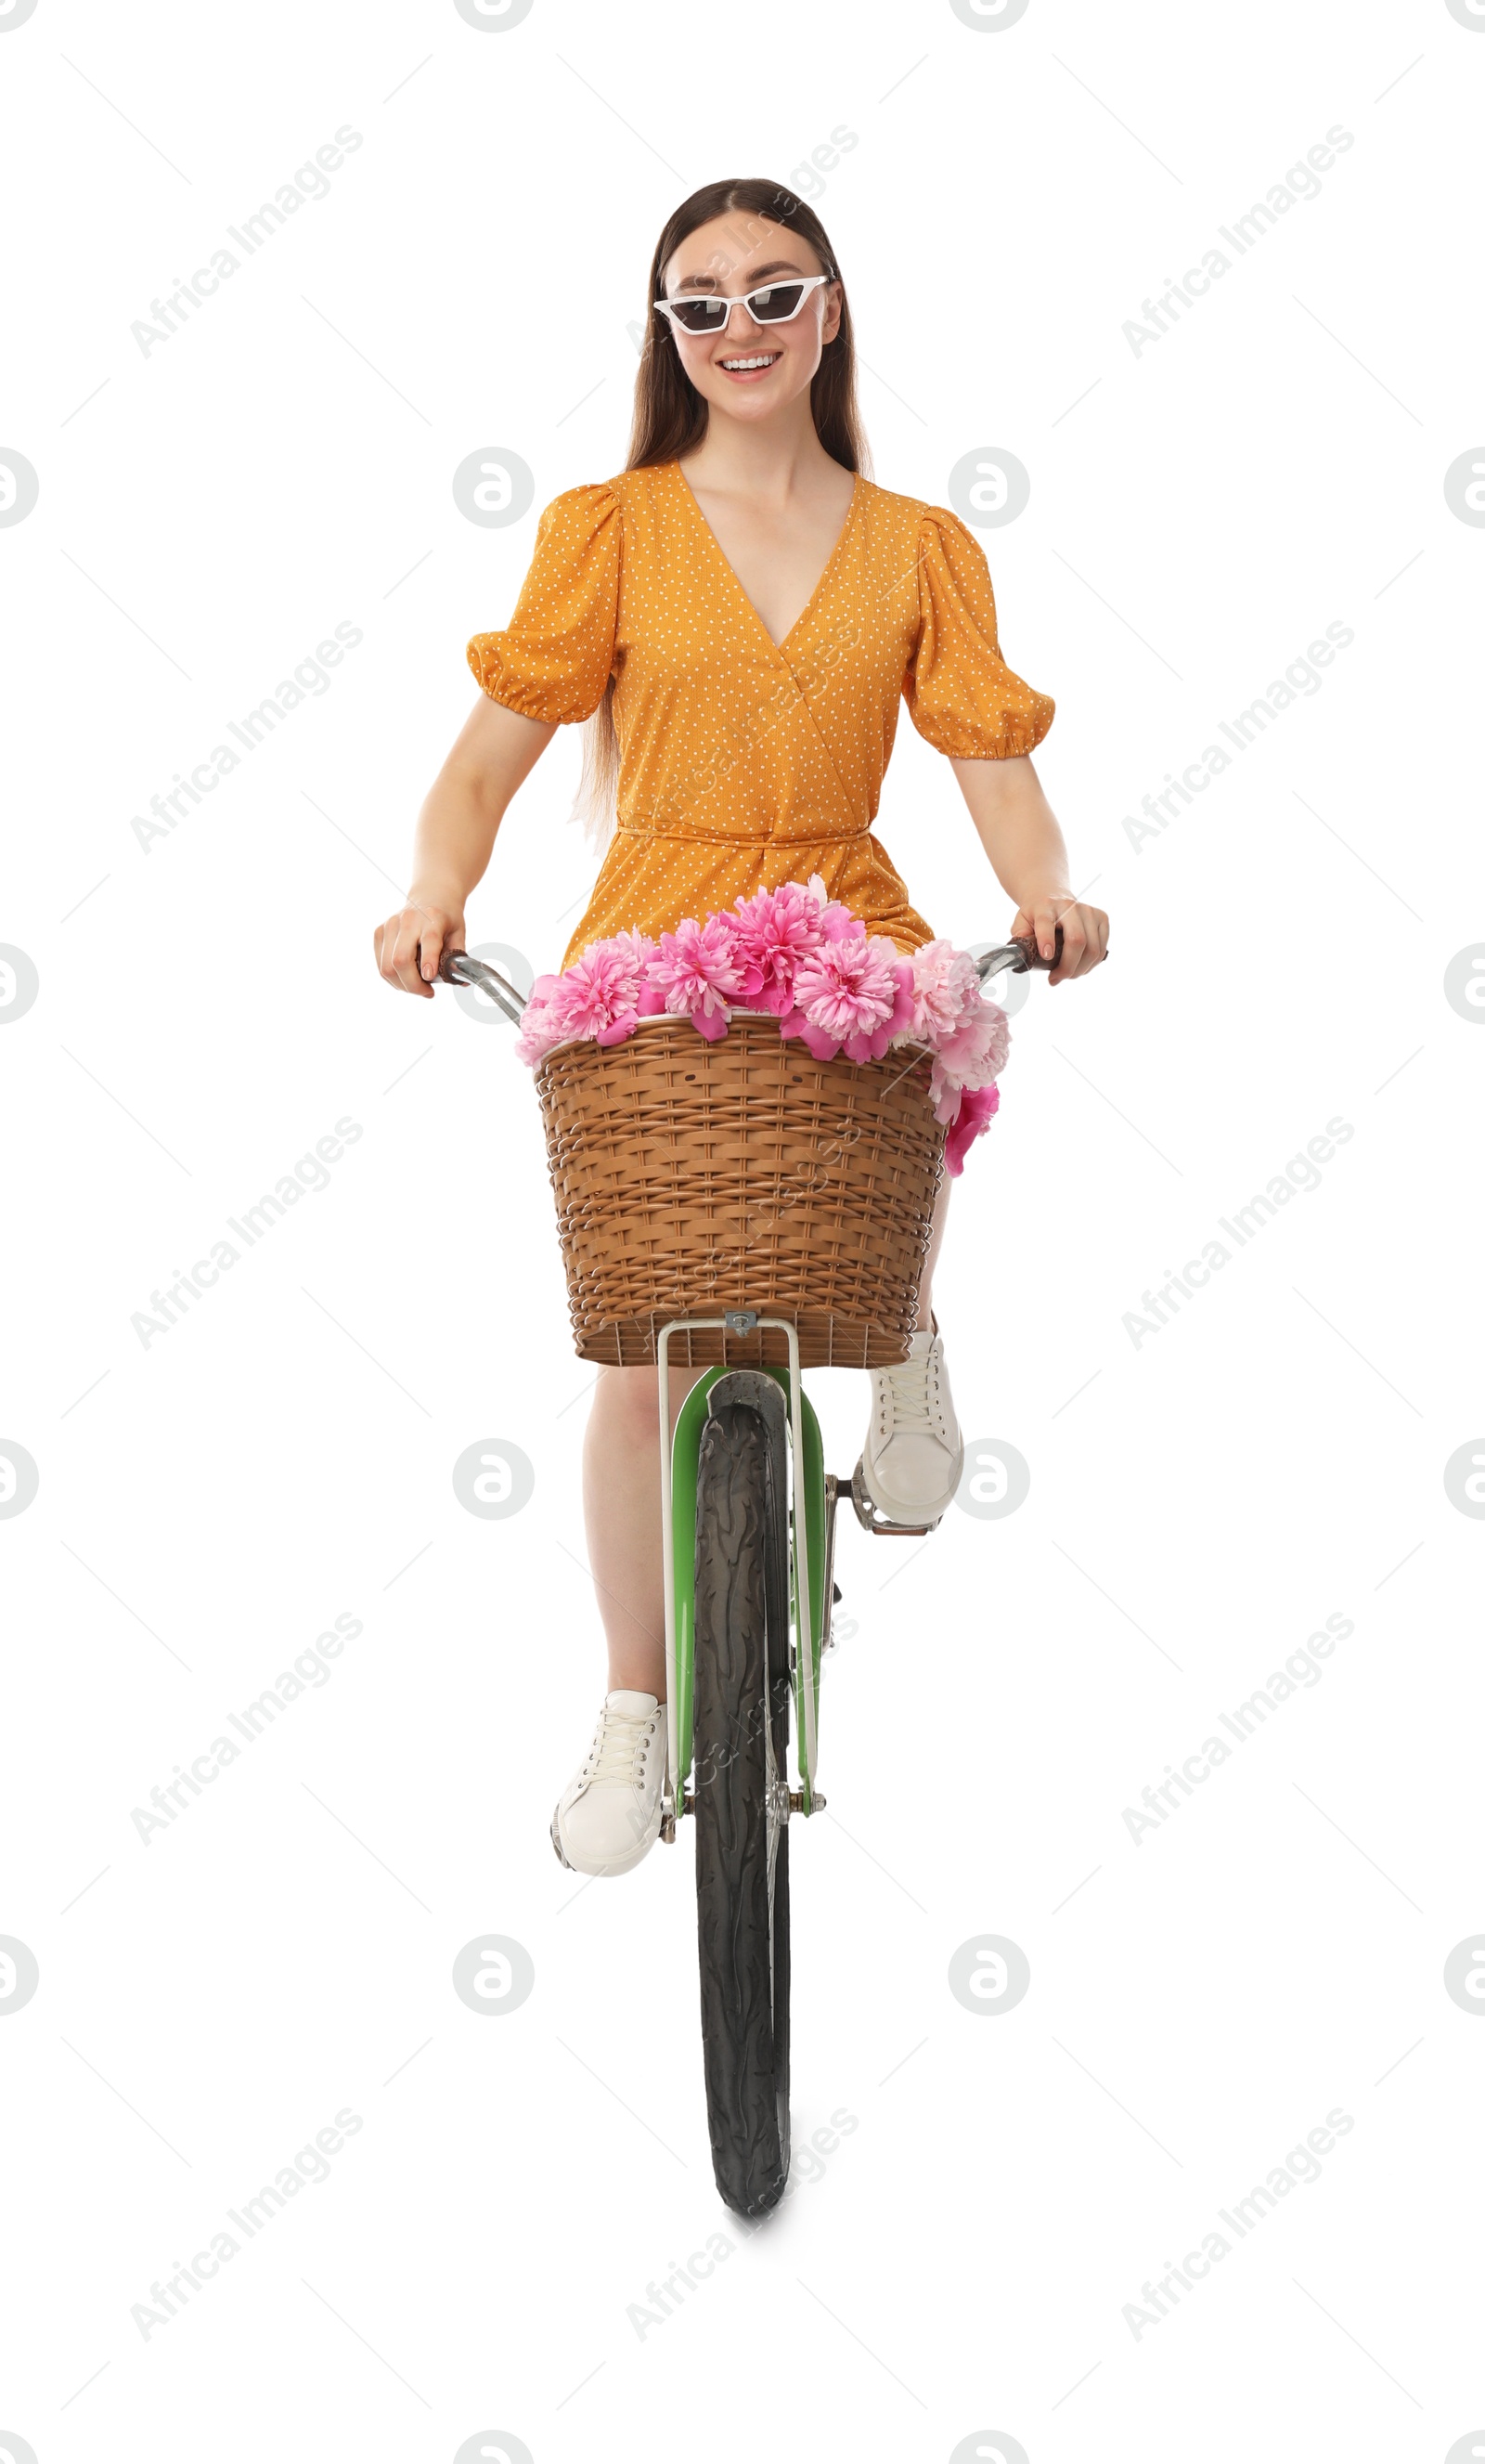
x=740 y=1784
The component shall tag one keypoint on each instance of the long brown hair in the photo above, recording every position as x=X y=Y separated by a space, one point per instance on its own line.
x=670 y=416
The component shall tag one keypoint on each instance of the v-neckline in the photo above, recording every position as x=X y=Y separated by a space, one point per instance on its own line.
x=731 y=569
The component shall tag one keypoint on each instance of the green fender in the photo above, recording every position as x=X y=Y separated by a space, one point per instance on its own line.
x=684 y=1456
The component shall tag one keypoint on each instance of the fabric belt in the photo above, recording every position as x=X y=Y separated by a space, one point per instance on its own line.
x=745 y=838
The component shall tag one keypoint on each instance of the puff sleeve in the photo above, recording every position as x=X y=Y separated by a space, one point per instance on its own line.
x=554 y=658
x=959 y=692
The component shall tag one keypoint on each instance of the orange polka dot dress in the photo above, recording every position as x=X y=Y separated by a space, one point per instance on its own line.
x=743 y=763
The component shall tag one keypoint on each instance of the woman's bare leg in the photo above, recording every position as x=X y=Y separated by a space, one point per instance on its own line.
x=621 y=1503
x=936 y=1244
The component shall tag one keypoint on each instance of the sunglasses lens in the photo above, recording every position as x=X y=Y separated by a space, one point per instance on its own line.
x=699 y=315
x=779 y=301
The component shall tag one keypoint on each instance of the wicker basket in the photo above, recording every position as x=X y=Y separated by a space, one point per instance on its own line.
x=693 y=1178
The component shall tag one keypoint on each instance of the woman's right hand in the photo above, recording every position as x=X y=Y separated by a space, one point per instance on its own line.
x=410 y=943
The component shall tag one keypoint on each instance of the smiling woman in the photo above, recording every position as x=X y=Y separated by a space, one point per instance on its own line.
x=739 y=641
x=735 y=618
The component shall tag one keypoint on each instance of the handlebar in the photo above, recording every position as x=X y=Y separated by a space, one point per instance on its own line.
x=1017 y=956
x=456 y=967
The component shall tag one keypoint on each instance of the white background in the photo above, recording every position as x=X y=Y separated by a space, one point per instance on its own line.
x=1200 y=1503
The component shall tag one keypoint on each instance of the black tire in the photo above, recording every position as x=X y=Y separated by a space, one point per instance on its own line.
x=741 y=1728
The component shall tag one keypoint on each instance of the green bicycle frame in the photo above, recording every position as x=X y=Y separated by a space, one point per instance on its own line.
x=686 y=1454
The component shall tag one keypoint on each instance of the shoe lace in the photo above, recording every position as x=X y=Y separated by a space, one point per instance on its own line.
x=616 y=1757
x=913 y=1388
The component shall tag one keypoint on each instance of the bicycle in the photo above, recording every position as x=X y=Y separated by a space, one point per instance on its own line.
x=748 y=1519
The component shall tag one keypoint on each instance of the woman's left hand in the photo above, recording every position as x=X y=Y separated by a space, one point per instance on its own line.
x=1084 y=932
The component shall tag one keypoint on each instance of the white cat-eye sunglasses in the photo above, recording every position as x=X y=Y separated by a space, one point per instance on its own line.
x=773 y=304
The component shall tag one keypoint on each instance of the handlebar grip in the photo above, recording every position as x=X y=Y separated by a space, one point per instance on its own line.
x=1031 y=956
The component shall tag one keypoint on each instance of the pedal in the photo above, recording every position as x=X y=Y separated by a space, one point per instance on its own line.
x=870 y=1515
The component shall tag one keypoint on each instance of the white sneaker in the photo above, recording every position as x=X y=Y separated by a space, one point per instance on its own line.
x=607 y=1817
x=914 y=1452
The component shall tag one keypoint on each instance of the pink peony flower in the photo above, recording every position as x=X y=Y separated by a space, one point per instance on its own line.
x=776 y=929
x=977 y=1107
x=852 y=995
x=539 y=1028
x=972 y=1055
x=773 y=931
x=698 y=972
x=599 y=994
x=944 y=986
